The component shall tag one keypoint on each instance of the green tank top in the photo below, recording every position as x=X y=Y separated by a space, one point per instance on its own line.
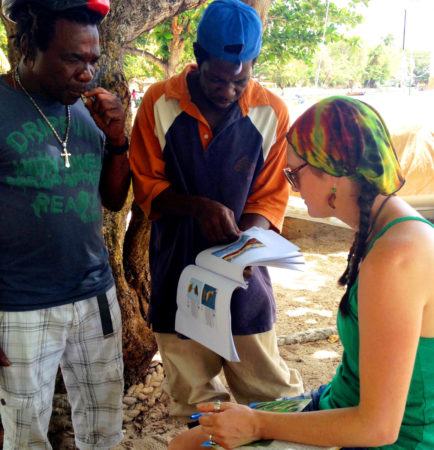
x=417 y=429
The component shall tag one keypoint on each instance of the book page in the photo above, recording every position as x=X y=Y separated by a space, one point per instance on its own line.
x=282 y=405
x=204 y=314
x=293 y=262
x=255 y=246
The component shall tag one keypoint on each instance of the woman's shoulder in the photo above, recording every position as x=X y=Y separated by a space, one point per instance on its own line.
x=404 y=247
x=402 y=229
x=397 y=272
x=404 y=233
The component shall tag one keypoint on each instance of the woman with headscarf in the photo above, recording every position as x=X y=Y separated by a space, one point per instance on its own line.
x=342 y=162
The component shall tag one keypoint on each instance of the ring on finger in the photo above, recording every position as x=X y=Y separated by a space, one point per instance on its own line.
x=211 y=440
x=217 y=405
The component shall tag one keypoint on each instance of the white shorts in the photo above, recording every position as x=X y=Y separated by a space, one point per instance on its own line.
x=71 y=335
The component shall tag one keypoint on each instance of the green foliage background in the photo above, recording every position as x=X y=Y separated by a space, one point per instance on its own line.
x=157 y=43
x=3 y=47
x=295 y=43
x=3 y=39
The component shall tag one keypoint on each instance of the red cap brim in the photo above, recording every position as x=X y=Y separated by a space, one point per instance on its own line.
x=100 y=6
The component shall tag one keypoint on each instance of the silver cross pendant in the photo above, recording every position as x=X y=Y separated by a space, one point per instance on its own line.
x=66 y=155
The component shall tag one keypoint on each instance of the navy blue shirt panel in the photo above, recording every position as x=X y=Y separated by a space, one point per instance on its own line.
x=225 y=172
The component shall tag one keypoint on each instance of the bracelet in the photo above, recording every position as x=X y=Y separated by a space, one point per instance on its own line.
x=117 y=149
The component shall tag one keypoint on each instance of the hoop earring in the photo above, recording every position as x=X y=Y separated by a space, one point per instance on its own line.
x=332 y=198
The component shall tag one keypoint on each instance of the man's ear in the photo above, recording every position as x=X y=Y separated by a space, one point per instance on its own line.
x=27 y=50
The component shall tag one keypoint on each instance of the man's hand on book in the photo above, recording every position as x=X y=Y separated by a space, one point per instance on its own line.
x=216 y=221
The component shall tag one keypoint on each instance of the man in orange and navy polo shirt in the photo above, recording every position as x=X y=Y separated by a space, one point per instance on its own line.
x=207 y=152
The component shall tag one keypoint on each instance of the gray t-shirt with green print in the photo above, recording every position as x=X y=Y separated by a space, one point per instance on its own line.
x=52 y=251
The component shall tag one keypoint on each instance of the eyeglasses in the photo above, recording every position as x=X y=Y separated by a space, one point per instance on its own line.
x=291 y=175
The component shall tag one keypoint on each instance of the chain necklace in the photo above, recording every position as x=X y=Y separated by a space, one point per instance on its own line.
x=63 y=143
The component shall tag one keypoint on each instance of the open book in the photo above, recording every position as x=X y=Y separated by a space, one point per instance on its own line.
x=205 y=289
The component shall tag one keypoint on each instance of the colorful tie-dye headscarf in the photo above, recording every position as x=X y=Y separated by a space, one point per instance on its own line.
x=343 y=136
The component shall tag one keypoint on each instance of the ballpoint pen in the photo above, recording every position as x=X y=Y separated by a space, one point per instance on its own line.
x=197 y=415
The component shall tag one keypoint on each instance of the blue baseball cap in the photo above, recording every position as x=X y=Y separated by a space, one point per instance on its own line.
x=230 y=30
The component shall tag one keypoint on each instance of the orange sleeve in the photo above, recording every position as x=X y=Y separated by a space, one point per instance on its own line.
x=270 y=192
x=146 y=154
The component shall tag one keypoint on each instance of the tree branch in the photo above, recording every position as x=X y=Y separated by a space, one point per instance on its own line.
x=149 y=56
x=128 y=19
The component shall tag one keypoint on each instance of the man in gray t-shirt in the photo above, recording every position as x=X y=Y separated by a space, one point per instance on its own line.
x=62 y=154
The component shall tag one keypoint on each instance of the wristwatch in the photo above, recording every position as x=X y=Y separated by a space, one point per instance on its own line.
x=117 y=149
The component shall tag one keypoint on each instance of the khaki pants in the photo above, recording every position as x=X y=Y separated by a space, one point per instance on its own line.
x=192 y=372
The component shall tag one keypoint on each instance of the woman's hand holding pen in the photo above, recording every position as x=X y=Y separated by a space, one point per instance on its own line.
x=234 y=426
